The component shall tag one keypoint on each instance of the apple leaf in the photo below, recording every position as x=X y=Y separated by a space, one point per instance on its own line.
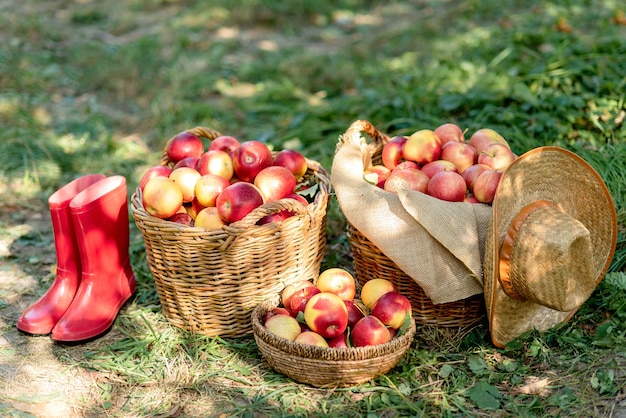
x=485 y=396
x=405 y=325
x=300 y=317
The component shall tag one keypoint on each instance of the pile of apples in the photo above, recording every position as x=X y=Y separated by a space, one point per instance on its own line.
x=328 y=314
x=442 y=164
x=219 y=185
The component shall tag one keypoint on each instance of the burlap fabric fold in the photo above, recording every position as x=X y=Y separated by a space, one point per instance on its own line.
x=438 y=244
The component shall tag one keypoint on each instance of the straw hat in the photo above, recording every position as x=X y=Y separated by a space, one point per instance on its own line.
x=550 y=241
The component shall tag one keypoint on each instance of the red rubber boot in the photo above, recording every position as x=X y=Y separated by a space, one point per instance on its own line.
x=100 y=215
x=41 y=316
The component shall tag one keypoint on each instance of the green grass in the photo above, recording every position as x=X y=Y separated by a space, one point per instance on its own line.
x=90 y=86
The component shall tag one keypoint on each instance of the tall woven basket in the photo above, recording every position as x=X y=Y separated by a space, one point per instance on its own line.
x=209 y=281
x=370 y=262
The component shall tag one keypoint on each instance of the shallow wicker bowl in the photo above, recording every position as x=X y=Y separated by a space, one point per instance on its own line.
x=209 y=281
x=327 y=367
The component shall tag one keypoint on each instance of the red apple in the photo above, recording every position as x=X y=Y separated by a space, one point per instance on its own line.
x=392 y=309
x=434 y=167
x=278 y=310
x=355 y=312
x=471 y=174
x=338 y=281
x=216 y=162
x=293 y=160
x=162 y=197
x=250 y=158
x=374 y=289
x=186 y=178
x=311 y=338
x=209 y=218
x=291 y=289
x=193 y=208
x=208 y=187
x=422 y=147
x=483 y=137
x=407 y=179
x=392 y=152
x=238 y=200
x=184 y=145
x=449 y=132
x=486 y=185
x=470 y=198
x=462 y=154
x=406 y=164
x=369 y=331
x=496 y=156
x=300 y=298
x=376 y=175
x=275 y=182
x=284 y=326
x=152 y=172
x=448 y=186
x=181 y=218
x=224 y=143
x=340 y=341
x=187 y=162
x=326 y=314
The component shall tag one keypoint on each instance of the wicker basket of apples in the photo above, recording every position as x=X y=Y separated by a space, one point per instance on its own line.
x=323 y=335
x=418 y=207
x=227 y=224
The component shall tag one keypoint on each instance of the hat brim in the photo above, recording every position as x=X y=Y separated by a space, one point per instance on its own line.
x=562 y=177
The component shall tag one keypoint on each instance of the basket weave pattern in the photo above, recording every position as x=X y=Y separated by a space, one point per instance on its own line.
x=327 y=367
x=209 y=281
x=370 y=262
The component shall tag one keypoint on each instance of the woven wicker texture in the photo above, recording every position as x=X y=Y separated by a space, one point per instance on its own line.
x=209 y=281
x=370 y=262
x=327 y=367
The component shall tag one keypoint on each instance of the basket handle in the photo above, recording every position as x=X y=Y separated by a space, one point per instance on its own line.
x=199 y=131
x=236 y=228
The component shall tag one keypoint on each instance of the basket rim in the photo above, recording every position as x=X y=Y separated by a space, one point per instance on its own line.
x=297 y=349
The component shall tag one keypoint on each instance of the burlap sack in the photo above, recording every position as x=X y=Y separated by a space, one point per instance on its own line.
x=438 y=244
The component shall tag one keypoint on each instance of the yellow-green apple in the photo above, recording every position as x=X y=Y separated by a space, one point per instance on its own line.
x=369 y=331
x=277 y=310
x=422 y=147
x=448 y=186
x=406 y=164
x=311 y=338
x=249 y=158
x=185 y=178
x=434 y=167
x=275 y=182
x=392 y=309
x=216 y=162
x=183 y=145
x=284 y=326
x=209 y=218
x=340 y=341
x=375 y=288
x=338 y=281
x=225 y=143
x=355 y=312
x=486 y=185
x=152 y=172
x=291 y=289
x=496 y=156
x=449 y=132
x=181 y=218
x=300 y=298
x=407 y=179
x=377 y=175
x=208 y=187
x=326 y=314
x=187 y=162
x=293 y=160
x=238 y=200
x=471 y=173
x=392 y=152
x=162 y=197
x=462 y=154
x=485 y=136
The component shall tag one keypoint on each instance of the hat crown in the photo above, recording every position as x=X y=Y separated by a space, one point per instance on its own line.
x=551 y=260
